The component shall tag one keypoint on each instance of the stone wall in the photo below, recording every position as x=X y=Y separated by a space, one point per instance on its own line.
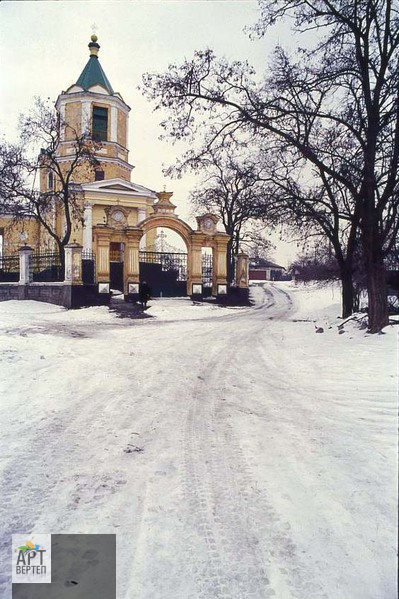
x=69 y=296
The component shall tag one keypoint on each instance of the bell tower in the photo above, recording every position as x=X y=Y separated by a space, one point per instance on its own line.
x=91 y=106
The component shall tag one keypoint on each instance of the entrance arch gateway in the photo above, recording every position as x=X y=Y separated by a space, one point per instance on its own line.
x=206 y=235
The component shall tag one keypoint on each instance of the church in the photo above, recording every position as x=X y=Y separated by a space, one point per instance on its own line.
x=120 y=218
x=91 y=104
x=109 y=195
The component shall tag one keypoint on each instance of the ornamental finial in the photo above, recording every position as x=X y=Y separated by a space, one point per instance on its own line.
x=94 y=46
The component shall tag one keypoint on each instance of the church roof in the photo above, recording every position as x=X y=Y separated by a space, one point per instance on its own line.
x=119 y=186
x=93 y=73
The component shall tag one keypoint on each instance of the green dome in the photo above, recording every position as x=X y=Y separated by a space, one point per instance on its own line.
x=93 y=74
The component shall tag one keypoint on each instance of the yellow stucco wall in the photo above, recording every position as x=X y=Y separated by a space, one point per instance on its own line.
x=73 y=116
x=98 y=215
x=114 y=167
x=116 y=152
x=12 y=240
x=44 y=179
x=122 y=129
x=115 y=171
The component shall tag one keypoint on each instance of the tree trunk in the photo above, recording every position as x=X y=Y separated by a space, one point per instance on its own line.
x=375 y=270
x=230 y=263
x=61 y=252
x=377 y=294
x=347 y=289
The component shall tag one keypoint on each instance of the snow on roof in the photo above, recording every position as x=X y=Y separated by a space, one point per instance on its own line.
x=261 y=263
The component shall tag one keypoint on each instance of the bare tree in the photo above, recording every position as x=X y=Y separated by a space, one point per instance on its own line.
x=335 y=108
x=316 y=210
x=232 y=189
x=12 y=164
x=256 y=241
x=62 y=203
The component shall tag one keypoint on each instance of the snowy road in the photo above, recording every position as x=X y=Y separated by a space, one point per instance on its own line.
x=236 y=454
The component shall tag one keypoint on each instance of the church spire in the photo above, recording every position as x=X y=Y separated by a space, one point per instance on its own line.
x=93 y=73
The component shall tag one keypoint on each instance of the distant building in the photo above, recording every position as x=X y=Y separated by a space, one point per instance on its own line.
x=263 y=270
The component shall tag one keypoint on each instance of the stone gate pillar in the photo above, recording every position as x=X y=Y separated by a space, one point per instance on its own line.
x=131 y=274
x=102 y=237
x=194 y=279
x=242 y=271
x=219 y=283
x=73 y=264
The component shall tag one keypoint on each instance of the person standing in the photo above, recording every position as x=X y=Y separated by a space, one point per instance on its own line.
x=144 y=294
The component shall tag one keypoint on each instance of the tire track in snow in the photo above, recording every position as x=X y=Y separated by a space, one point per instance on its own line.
x=224 y=508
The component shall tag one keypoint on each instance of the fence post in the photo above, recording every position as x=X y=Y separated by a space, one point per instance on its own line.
x=219 y=283
x=131 y=275
x=73 y=264
x=25 y=259
x=242 y=267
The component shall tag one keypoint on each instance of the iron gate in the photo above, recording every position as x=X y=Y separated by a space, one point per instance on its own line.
x=88 y=267
x=116 y=257
x=207 y=274
x=165 y=273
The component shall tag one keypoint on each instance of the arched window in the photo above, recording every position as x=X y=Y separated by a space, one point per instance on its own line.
x=50 y=180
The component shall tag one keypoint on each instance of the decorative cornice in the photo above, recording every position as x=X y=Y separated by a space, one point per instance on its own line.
x=65 y=97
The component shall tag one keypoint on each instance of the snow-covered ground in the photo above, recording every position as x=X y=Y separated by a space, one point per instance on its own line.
x=236 y=453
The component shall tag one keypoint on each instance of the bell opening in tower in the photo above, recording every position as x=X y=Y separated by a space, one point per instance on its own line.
x=100 y=123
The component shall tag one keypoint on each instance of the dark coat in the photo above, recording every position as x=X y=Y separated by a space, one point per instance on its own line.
x=144 y=292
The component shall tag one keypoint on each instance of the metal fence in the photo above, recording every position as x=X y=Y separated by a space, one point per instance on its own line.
x=45 y=267
x=168 y=261
x=88 y=267
x=9 y=268
x=207 y=270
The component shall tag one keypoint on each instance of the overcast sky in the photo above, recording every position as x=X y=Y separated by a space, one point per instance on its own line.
x=43 y=49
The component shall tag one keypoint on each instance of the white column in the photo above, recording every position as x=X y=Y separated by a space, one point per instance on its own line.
x=142 y=215
x=114 y=124
x=87 y=227
x=86 y=116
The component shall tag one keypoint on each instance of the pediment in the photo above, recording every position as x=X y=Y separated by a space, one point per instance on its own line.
x=118 y=186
